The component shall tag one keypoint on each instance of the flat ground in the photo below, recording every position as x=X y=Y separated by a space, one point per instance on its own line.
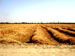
x=37 y=39
x=37 y=50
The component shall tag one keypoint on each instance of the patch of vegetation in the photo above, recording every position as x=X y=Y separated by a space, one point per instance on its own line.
x=35 y=23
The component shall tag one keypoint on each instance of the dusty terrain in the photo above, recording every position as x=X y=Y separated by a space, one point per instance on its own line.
x=37 y=39
x=36 y=50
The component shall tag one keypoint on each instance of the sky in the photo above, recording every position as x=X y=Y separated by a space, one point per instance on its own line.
x=37 y=10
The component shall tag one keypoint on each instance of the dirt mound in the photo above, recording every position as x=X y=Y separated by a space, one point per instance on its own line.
x=42 y=36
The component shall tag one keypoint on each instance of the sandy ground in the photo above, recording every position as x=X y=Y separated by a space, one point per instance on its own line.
x=37 y=50
x=20 y=33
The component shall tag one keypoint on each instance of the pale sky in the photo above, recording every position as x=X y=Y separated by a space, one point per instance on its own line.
x=37 y=10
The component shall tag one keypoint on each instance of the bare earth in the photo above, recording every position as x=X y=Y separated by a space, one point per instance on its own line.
x=37 y=39
x=37 y=50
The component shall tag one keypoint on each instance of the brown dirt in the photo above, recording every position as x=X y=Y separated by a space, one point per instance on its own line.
x=40 y=33
x=37 y=40
x=16 y=33
x=42 y=36
x=36 y=50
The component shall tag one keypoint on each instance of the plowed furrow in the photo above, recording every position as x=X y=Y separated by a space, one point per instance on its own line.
x=42 y=36
x=37 y=33
x=62 y=37
x=71 y=29
x=72 y=33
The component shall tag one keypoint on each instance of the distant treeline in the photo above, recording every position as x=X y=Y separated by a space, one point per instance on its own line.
x=35 y=23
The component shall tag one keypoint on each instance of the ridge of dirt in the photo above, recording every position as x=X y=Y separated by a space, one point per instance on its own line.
x=42 y=36
x=72 y=33
x=37 y=33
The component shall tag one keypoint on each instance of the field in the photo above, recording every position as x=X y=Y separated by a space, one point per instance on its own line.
x=38 y=39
